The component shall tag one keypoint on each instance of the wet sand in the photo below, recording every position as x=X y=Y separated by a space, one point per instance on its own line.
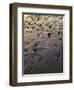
x=48 y=61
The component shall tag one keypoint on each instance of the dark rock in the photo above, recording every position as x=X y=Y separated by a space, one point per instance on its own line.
x=60 y=38
x=59 y=32
x=49 y=35
x=49 y=26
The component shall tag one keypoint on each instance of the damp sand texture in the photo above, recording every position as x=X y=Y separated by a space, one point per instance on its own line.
x=43 y=44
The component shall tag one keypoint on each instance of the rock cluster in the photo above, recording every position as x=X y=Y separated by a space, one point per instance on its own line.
x=47 y=30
